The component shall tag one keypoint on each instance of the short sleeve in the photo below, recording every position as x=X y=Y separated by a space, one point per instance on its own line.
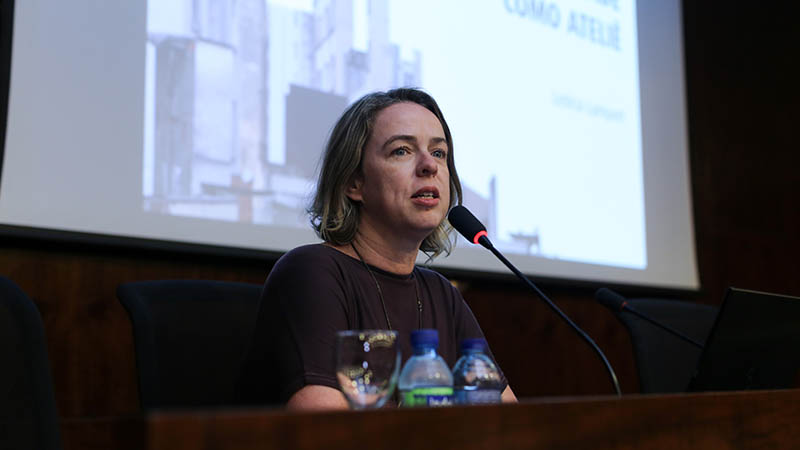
x=303 y=304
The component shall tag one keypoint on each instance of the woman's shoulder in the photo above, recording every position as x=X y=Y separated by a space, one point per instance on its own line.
x=309 y=273
x=309 y=261
x=306 y=251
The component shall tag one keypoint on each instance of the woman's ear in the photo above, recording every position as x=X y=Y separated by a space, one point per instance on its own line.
x=354 y=189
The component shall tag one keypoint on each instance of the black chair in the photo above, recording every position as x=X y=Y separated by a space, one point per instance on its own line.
x=191 y=337
x=28 y=414
x=666 y=363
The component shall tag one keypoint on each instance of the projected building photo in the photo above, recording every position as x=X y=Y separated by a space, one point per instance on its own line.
x=241 y=96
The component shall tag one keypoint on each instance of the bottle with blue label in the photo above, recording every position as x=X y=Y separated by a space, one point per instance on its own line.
x=476 y=379
x=425 y=380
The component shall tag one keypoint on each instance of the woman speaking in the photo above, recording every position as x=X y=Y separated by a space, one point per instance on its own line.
x=385 y=186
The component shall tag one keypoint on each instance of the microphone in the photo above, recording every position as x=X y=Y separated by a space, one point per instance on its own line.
x=618 y=303
x=469 y=226
x=472 y=229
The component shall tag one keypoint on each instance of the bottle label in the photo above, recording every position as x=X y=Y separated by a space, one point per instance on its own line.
x=428 y=396
x=477 y=397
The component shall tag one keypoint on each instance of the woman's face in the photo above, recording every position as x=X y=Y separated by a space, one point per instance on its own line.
x=404 y=186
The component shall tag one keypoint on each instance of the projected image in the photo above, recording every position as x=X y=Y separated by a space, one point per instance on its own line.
x=542 y=99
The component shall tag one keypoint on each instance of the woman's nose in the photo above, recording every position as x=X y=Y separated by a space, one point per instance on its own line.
x=427 y=166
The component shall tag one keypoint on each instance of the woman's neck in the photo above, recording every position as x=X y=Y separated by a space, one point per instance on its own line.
x=381 y=254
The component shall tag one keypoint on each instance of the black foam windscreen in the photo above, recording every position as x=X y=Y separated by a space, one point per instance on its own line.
x=610 y=299
x=465 y=223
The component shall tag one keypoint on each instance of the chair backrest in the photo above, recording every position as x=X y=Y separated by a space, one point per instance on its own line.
x=191 y=337
x=664 y=362
x=28 y=414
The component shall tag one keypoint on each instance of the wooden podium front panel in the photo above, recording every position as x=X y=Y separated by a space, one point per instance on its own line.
x=765 y=419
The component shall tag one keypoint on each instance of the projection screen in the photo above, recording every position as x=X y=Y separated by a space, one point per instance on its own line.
x=203 y=121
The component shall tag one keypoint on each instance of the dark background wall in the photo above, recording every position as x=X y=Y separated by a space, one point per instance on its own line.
x=741 y=73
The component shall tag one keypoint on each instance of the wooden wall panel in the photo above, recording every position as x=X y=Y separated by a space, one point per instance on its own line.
x=742 y=70
x=91 y=347
x=89 y=338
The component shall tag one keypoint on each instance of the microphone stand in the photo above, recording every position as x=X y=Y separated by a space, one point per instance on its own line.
x=484 y=241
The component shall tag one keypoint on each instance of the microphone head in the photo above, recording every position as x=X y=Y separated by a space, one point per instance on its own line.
x=610 y=299
x=465 y=223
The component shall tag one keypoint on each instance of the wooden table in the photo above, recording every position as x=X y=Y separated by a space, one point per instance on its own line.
x=763 y=419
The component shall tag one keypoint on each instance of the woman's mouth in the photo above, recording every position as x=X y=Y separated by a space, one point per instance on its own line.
x=427 y=196
x=426 y=193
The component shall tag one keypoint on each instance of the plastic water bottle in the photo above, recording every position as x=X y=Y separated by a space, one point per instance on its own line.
x=476 y=379
x=425 y=379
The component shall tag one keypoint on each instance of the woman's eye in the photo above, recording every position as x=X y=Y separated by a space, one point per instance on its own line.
x=400 y=151
x=439 y=154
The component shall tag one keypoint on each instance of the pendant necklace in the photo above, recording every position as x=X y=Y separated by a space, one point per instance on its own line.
x=380 y=292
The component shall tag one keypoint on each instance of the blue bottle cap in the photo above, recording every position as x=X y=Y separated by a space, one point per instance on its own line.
x=425 y=338
x=476 y=344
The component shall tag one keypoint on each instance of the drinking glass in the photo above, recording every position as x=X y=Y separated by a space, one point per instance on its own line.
x=367 y=365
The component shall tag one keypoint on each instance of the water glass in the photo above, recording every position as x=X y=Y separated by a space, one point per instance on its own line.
x=367 y=365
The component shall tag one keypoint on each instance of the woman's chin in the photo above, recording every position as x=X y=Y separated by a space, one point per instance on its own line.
x=427 y=227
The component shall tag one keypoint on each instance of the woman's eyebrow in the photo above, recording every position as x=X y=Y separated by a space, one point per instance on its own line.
x=407 y=137
x=437 y=140
x=399 y=137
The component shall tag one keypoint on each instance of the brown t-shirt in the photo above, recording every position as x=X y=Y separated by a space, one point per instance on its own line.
x=314 y=291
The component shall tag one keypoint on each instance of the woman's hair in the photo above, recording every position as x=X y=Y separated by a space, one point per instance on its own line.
x=334 y=215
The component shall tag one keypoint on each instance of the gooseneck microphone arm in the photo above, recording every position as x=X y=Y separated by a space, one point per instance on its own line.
x=472 y=229
x=616 y=302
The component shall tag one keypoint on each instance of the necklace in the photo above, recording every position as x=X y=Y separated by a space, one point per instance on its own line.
x=380 y=292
